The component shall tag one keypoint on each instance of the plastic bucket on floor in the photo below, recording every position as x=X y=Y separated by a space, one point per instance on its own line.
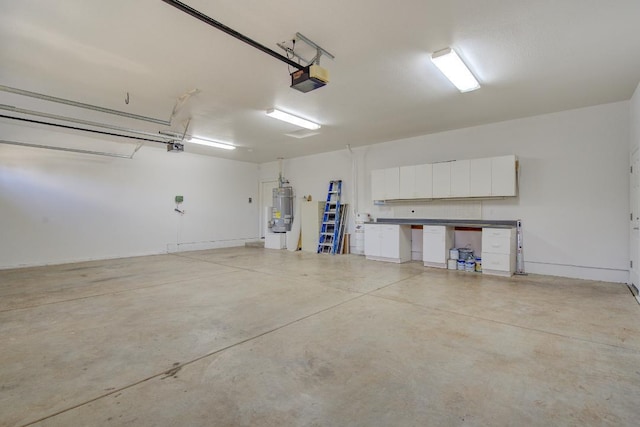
x=470 y=265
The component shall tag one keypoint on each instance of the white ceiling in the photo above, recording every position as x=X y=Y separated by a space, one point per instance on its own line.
x=531 y=57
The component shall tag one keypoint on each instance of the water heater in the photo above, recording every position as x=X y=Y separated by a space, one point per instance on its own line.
x=281 y=210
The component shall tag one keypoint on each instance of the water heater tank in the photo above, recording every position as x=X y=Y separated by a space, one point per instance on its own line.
x=282 y=210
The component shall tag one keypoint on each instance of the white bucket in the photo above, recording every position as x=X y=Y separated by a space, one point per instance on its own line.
x=453 y=253
x=452 y=264
x=470 y=265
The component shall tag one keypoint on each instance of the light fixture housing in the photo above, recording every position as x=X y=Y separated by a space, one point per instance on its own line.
x=294 y=120
x=214 y=144
x=450 y=64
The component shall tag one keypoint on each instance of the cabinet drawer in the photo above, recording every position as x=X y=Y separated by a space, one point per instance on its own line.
x=434 y=229
x=497 y=232
x=499 y=262
x=499 y=245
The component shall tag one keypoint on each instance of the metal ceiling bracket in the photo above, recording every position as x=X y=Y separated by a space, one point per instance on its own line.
x=293 y=53
x=319 y=51
x=72 y=150
x=182 y=99
x=83 y=105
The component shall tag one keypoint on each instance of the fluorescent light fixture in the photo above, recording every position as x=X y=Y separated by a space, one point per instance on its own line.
x=213 y=144
x=302 y=133
x=448 y=61
x=294 y=120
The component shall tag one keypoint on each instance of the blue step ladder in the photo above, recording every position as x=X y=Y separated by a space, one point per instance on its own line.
x=329 y=241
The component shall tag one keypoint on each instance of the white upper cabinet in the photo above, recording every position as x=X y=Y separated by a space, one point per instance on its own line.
x=392 y=183
x=441 y=180
x=407 y=182
x=385 y=184
x=503 y=176
x=487 y=177
x=416 y=182
x=480 y=177
x=424 y=181
x=377 y=184
x=460 y=178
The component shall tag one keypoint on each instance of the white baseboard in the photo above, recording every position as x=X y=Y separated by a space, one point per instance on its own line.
x=578 y=272
x=170 y=248
x=200 y=246
x=79 y=259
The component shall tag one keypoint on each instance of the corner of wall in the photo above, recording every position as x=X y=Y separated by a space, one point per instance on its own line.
x=634 y=117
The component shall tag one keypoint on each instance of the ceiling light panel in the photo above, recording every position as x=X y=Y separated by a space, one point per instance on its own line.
x=294 y=120
x=450 y=64
x=214 y=144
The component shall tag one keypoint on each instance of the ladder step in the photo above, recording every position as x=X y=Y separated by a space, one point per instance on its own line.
x=331 y=229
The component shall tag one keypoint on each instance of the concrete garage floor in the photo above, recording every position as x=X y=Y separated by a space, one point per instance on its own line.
x=255 y=337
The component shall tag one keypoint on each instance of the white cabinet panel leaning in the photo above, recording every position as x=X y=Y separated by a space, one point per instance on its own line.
x=487 y=177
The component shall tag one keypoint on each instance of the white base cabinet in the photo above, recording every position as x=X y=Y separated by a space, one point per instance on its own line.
x=387 y=242
x=436 y=242
x=499 y=251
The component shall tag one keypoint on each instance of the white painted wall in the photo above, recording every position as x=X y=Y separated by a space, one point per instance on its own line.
x=59 y=207
x=634 y=145
x=310 y=175
x=635 y=119
x=574 y=191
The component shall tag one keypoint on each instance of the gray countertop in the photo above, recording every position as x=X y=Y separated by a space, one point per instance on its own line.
x=478 y=223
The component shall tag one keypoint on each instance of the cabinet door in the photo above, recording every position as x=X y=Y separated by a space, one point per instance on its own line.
x=480 y=177
x=372 y=240
x=441 y=179
x=390 y=241
x=378 y=184
x=460 y=178
x=433 y=244
x=503 y=176
x=392 y=183
x=407 y=182
x=423 y=182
